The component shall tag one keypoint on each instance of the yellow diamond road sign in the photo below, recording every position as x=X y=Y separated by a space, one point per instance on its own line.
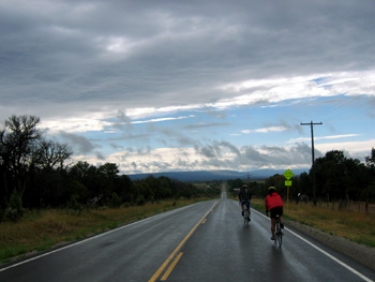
x=288 y=174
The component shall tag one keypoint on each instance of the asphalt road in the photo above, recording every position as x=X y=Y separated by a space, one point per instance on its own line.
x=203 y=242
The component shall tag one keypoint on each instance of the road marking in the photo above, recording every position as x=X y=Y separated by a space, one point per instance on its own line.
x=360 y=275
x=332 y=257
x=178 y=248
x=80 y=242
x=171 y=267
x=72 y=245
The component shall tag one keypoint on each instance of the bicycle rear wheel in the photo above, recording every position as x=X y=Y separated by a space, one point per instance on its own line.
x=278 y=235
x=245 y=217
x=279 y=240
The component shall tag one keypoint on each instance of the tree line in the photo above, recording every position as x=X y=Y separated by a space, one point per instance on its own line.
x=34 y=175
x=337 y=179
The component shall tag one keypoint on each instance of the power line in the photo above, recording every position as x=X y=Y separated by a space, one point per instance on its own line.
x=313 y=154
x=340 y=107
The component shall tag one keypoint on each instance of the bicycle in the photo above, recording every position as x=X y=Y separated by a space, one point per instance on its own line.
x=278 y=232
x=246 y=215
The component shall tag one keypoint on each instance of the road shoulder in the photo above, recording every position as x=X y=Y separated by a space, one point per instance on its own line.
x=363 y=254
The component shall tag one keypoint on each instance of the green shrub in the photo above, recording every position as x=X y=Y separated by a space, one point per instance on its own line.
x=141 y=200
x=1 y=214
x=15 y=210
x=74 y=204
x=115 y=201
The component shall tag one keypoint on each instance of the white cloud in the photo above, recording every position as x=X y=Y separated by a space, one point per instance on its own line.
x=71 y=125
x=265 y=130
x=162 y=119
x=316 y=138
x=167 y=77
x=358 y=149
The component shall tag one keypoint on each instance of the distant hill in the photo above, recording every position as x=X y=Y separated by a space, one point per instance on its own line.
x=197 y=176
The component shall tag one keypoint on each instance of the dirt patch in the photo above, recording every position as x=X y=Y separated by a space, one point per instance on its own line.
x=363 y=254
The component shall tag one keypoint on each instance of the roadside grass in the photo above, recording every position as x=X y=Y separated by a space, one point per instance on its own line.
x=349 y=224
x=43 y=230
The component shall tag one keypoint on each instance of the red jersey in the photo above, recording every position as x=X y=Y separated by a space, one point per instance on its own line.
x=273 y=201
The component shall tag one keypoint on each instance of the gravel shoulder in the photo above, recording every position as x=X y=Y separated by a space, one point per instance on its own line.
x=363 y=254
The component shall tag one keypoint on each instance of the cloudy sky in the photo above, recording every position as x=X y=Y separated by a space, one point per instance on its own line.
x=169 y=85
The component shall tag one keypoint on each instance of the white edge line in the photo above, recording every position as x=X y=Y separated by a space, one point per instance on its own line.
x=332 y=257
x=70 y=245
x=84 y=241
x=325 y=253
x=114 y=230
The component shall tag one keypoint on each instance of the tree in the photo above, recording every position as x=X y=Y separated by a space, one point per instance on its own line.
x=305 y=184
x=278 y=181
x=125 y=189
x=80 y=170
x=89 y=176
x=51 y=154
x=370 y=160
x=370 y=189
x=330 y=174
x=341 y=178
x=18 y=140
x=28 y=162
x=109 y=170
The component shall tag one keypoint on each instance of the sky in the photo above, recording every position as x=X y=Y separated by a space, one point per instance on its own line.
x=168 y=85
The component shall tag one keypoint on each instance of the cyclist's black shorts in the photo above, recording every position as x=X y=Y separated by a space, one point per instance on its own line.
x=246 y=202
x=276 y=211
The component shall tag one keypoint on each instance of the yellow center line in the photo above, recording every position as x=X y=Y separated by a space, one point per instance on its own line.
x=176 y=250
x=171 y=267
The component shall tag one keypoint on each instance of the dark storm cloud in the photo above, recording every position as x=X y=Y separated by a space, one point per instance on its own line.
x=205 y=125
x=120 y=67
x=60 y=51
x=82 y=144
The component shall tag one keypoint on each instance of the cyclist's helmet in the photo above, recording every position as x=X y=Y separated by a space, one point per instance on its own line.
x=271 y=188
x=244 y=188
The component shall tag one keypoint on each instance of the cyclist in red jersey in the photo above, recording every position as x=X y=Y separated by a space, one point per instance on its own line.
x=274 y=205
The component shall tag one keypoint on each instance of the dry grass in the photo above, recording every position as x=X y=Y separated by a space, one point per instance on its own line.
x=347 y=223
x=38 y=231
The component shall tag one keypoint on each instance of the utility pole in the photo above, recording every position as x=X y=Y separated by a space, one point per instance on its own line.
x=247 y=179
x=313 y=155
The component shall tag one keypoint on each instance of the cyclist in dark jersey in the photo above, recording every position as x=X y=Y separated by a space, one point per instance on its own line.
x=245 y=196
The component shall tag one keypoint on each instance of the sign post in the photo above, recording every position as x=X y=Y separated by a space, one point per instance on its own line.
x=288 y=175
